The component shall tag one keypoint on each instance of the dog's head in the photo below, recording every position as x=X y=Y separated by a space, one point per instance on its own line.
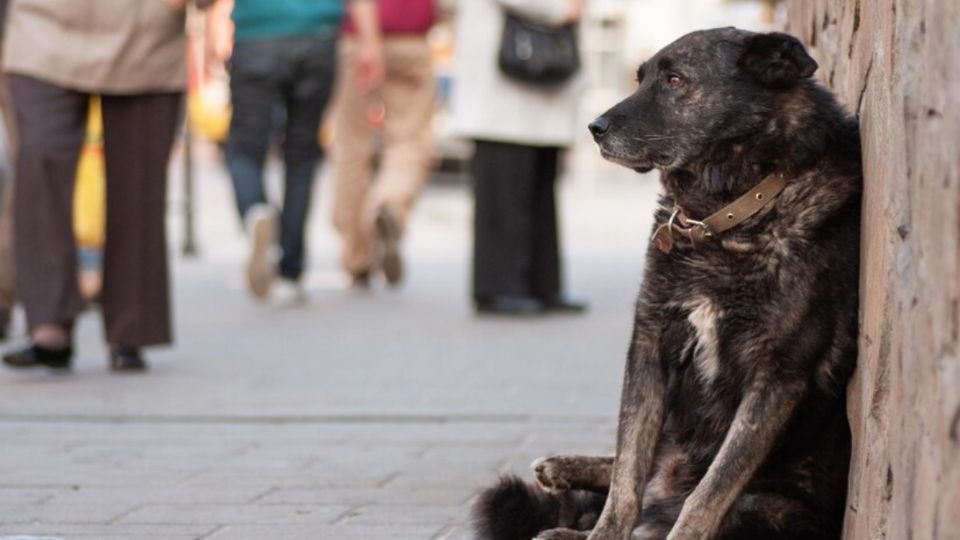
x=705 y=88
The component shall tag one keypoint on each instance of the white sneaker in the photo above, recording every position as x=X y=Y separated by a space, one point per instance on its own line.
x=261 y=224
x=287 y=293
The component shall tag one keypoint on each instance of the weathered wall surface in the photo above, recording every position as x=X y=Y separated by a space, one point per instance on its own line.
x=896 y=63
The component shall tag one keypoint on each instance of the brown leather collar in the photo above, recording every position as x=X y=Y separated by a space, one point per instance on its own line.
x=722 y=220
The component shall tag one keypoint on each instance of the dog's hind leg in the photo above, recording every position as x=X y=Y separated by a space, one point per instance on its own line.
x=771 y=515
x=561 y=473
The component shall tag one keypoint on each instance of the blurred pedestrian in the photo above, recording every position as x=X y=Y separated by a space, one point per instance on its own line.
x=7 y=133
x=520 y=128
x=57 y=53
x=284 y=59
x=371 y=217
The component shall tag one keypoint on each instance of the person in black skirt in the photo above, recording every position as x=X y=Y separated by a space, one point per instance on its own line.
x=519 y=131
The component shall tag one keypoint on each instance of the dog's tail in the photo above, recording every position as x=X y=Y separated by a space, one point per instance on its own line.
x=515 y=510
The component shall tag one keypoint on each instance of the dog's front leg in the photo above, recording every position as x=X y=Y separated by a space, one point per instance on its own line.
x=760 y=418
x=641 y=416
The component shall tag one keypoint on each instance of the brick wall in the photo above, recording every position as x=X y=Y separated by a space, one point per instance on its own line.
x=896 y=64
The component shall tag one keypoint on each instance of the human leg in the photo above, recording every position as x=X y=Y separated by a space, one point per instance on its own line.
x=352 y=153
x=407 y=92
x=6 y=256
x=138 y=135
x=546 y=276
x=50 y=122
x=545 y=249
x=306 y=98
x=7 y=296
x=255 y=92
x=257 y=73
x=503 y=187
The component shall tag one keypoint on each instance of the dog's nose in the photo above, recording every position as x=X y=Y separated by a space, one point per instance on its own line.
x=599 y=127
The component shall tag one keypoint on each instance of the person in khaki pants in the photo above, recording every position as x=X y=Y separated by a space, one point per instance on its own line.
x=56 y=54
x=371 y=217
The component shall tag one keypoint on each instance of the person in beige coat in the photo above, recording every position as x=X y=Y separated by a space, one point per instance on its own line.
x=519 y=130
x=56 y=54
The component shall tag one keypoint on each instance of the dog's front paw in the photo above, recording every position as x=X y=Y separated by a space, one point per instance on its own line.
x=561 y=534
x=608 y=530
x=685 y=530
x=551 y=473
x=605 y=534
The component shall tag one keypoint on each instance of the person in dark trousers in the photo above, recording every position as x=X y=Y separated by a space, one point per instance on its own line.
x=519 y=131
x=284 y=59
x=56 y=54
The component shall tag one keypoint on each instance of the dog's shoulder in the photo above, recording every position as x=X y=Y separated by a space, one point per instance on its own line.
x=810 y=232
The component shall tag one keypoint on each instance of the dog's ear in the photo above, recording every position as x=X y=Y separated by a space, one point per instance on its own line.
x=776 y=60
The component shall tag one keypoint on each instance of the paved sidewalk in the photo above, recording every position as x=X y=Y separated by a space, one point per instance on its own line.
x=359 y=416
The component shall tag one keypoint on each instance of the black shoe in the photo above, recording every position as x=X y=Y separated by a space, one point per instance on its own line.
x=360 y=281
x=37 y=356
x=388 y=233
x=127 y=359
x=564 y=304
x=4 y=323
x=510 y=305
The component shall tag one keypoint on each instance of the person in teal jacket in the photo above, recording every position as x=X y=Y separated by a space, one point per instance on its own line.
x=282 y=68
x=265 y=19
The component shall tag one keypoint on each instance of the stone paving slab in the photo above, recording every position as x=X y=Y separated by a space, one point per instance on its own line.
x=48 y=512
x=251 y=514
x=106 y=532
x=390 y=495
x=360 y=416
x=366 y=532
x=408 y=491
x=143 y=495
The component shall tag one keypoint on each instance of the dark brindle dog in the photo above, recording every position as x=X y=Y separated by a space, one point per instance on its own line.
x=732 y=417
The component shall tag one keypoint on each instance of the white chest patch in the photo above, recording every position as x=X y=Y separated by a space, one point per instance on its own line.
x=703 y=317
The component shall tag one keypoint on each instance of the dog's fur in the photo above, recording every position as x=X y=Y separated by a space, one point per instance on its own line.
x=732 y=418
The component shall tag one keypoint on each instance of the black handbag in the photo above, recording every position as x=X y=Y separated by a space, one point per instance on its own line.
x=534 y=53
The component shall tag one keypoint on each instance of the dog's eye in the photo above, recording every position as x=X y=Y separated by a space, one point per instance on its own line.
x=674 y=80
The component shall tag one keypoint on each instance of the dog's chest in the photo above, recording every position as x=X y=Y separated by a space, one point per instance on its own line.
x=704 y=317
x=707 y=300
x=703 y=340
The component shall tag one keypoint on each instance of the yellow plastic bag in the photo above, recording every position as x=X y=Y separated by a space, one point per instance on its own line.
x=208 y=108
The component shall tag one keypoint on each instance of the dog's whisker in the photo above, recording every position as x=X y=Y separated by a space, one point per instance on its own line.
x=650 y=138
